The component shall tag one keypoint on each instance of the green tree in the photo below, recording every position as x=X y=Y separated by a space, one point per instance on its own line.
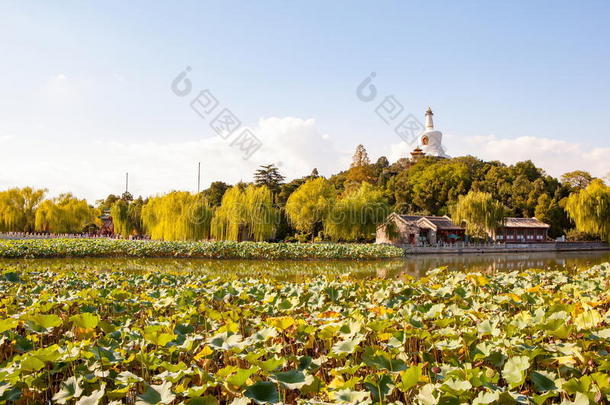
x=549 y=211
x=64 y=214
x=590 y=209
x=310 y=204
x=178 y=215
x=577 y=180
x=356 y=216
x=431 y=186
x=481 y=213
x=215 y=192
x=106 y=204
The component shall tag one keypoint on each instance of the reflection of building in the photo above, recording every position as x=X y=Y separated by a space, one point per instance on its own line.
x=417 y=229
x=522 y=230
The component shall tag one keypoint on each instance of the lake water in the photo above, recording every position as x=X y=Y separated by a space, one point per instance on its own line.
x=415 y=266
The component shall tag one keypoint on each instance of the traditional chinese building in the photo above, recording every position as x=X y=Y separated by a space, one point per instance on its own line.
x=522 y=230
x=418 y=229
x=107 y=226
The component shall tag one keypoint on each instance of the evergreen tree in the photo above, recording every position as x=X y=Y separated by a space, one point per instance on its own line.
x=269 y=176
x=382 y=162
x=360 y=158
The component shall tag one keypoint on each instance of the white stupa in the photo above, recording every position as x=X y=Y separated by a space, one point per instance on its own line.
x=431 y=141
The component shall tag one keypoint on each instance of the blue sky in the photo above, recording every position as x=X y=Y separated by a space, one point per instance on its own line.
x=86 y=96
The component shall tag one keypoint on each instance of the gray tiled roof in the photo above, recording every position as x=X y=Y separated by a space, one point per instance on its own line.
x=524 y=223
x=439 y=222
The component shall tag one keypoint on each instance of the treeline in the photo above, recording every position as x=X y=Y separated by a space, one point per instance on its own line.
x=345 y=207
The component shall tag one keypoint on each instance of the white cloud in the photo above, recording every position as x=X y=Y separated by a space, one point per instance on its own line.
x=555 y=156
x=95 y=169
x=60 y=77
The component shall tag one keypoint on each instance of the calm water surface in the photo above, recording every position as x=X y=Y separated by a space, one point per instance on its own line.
x=415 y=266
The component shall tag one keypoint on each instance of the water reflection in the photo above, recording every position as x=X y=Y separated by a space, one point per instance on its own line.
x=415 y=266
x=491 y=263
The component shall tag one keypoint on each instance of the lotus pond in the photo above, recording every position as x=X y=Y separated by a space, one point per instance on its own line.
x=91 y=332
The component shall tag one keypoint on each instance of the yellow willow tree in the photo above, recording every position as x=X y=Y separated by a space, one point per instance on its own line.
x=18 y=208
x=64 y=214
x=310 y=204
x=590 y=209
x=246 y=214
x=127 y=217
x=481 y=213
x=178 y=215
x=356 y=216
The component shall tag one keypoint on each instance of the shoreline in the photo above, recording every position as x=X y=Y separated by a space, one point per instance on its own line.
x=509 y=248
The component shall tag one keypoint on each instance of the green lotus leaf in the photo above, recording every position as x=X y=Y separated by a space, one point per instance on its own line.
x=293 y=379
x=604 y=333
x=207 y=400
x=588 y=319
x=542 y=399
x=575 y=385
x=383 y=361
x=93 y=399
x=456 y=387
x=379 y=387
x=240 y=401
x=31 y=363
x=157 y=394
x=85 y=320
x=8 y=323
x=225 y=341
x=486 y=328
x=12 y=277
x=155 y=334
x=409 y=378
x=426 y=395
x=263 y=334
x=68 y=389
x=128 y=378
x=348 y=396
x=241 y=376
x=484 y=398
x=272 y=364
x=514 y=370
x=542 y=381
x=262 y=392
x=579 y=399
x=345 y=347
x=45 y=321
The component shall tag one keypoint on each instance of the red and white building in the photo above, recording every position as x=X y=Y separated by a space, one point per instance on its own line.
x=522 y=230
